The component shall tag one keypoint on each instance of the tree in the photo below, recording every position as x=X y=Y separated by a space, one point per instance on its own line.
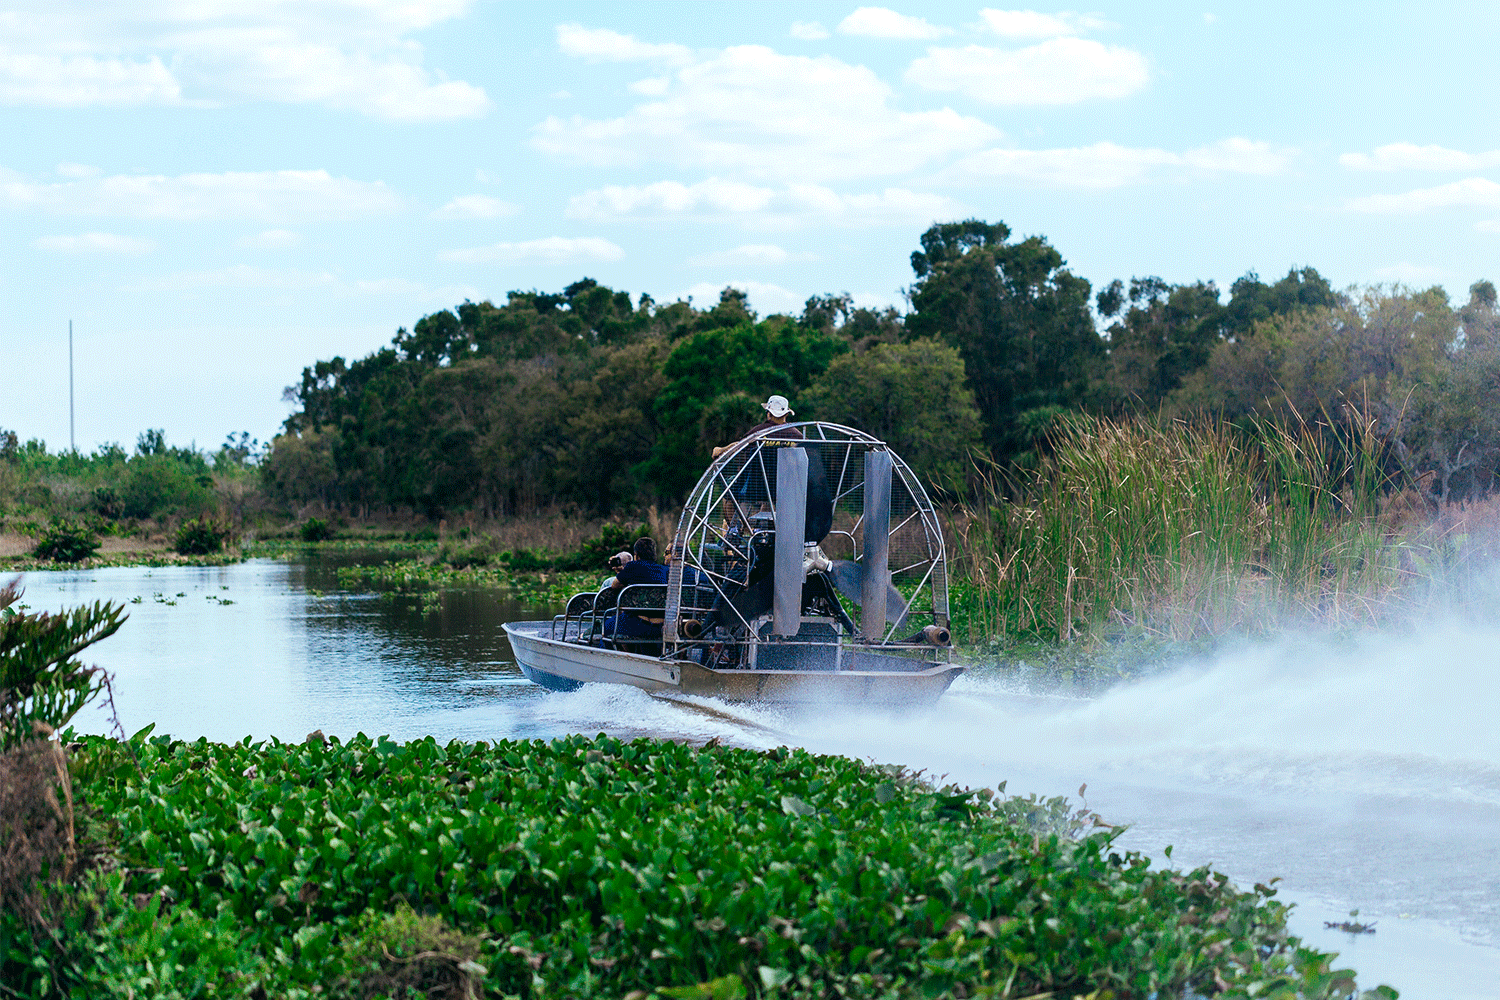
x=1016 y=315
x=1166 y=334
x=774 y=356
x=913 y=396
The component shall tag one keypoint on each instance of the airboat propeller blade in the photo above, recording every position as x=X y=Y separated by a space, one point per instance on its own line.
x=849 y=578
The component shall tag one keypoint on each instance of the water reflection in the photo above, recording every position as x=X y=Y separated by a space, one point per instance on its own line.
x=270 y=648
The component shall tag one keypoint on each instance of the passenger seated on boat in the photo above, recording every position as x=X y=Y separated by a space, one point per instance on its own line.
x=643 y=569
x=609 y=589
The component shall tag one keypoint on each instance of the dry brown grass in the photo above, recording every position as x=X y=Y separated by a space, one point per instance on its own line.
x=37 y=845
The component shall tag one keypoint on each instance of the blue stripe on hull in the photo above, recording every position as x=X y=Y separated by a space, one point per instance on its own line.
x=551 y=682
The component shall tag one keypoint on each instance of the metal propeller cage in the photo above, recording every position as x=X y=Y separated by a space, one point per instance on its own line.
x=729 y=525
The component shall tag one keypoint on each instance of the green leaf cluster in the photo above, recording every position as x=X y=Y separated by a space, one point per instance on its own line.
x=41 y=681
x=598 y=867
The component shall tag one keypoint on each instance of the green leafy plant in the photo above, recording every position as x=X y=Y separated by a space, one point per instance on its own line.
x=315 y=529
x=201 y=536
x=41 y=681
x=597 y=868
x=42 y=686
x=66 y=541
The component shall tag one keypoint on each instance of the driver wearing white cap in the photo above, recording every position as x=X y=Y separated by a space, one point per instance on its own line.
x=777 y=410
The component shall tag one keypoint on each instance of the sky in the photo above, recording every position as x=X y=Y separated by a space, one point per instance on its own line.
x=218 y=194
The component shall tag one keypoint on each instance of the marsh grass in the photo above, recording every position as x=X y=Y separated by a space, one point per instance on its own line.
x=1183 y=529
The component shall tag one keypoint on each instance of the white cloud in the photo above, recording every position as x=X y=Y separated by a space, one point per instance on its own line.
x=349 y=56
x=652 y=86
x=1472 y=192
x=749 y=110
x=273 y=194
x=96 y=243
x=77 y=170
x=271 y=239
x=242 y=276
x=603 y=45
x=882 y=22
x=669 y=198
x=52 y=80
x=808 y=31
x=552 y=250
x=1030 y=24
x=476 y=206
x=1238 y=155
x=765 y=299
x=750 y=253
x=1057 y=71
x=793 y=205
x=1488 y=225
x=1408 y=156
x=1107 y=165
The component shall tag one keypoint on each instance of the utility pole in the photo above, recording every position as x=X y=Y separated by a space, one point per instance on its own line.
x=72 y=440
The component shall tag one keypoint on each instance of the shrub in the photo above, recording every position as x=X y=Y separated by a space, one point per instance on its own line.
x=108 y=503
x=64 y=541
x=42 y=686
x=315 y=529
x=612 y=538
x=201 y=536
x=159 y=484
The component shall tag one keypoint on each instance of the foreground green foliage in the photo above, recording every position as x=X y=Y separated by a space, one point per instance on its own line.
x=596 y=867
x=42 y=683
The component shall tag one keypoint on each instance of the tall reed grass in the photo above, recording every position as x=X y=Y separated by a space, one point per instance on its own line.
x=1183 y=529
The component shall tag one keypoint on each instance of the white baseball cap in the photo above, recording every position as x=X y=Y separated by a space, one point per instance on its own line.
x=777 y=406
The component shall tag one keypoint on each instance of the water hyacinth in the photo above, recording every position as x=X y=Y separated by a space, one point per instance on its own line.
x=603 y=868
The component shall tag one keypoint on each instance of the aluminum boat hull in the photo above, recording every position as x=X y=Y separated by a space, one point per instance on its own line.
x=565 y=666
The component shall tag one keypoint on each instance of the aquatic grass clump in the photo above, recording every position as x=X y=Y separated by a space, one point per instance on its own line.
x=1180 y=529
x=410 y=576
x=597 y=868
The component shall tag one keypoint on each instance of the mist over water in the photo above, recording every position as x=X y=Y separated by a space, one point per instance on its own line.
x=1365 y=773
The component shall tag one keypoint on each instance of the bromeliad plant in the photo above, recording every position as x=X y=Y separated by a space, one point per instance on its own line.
x=41 y=680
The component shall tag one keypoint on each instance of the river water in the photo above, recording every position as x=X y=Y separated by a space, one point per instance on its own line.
x=1365 y=775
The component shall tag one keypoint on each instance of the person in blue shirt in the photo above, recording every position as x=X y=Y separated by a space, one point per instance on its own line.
x=643 y=569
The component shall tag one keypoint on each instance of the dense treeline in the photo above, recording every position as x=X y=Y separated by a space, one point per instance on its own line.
x=599 y=401
x=114 y=488
x=594 y=399
x=588 y=399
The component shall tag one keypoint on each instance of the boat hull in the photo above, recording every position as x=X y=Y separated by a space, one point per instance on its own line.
x=565 y=666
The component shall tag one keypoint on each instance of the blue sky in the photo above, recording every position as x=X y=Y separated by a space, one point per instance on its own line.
x=218 y=194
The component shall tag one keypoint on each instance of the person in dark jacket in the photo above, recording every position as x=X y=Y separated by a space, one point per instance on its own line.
x=643 y=569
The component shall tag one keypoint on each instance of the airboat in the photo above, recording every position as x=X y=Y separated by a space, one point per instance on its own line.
x=808 y=567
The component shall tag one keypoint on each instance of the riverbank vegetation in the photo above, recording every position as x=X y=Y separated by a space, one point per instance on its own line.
x=1142 y=463
x=581 y=867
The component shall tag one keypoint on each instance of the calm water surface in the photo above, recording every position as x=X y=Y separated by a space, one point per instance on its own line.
x=1366 y=776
